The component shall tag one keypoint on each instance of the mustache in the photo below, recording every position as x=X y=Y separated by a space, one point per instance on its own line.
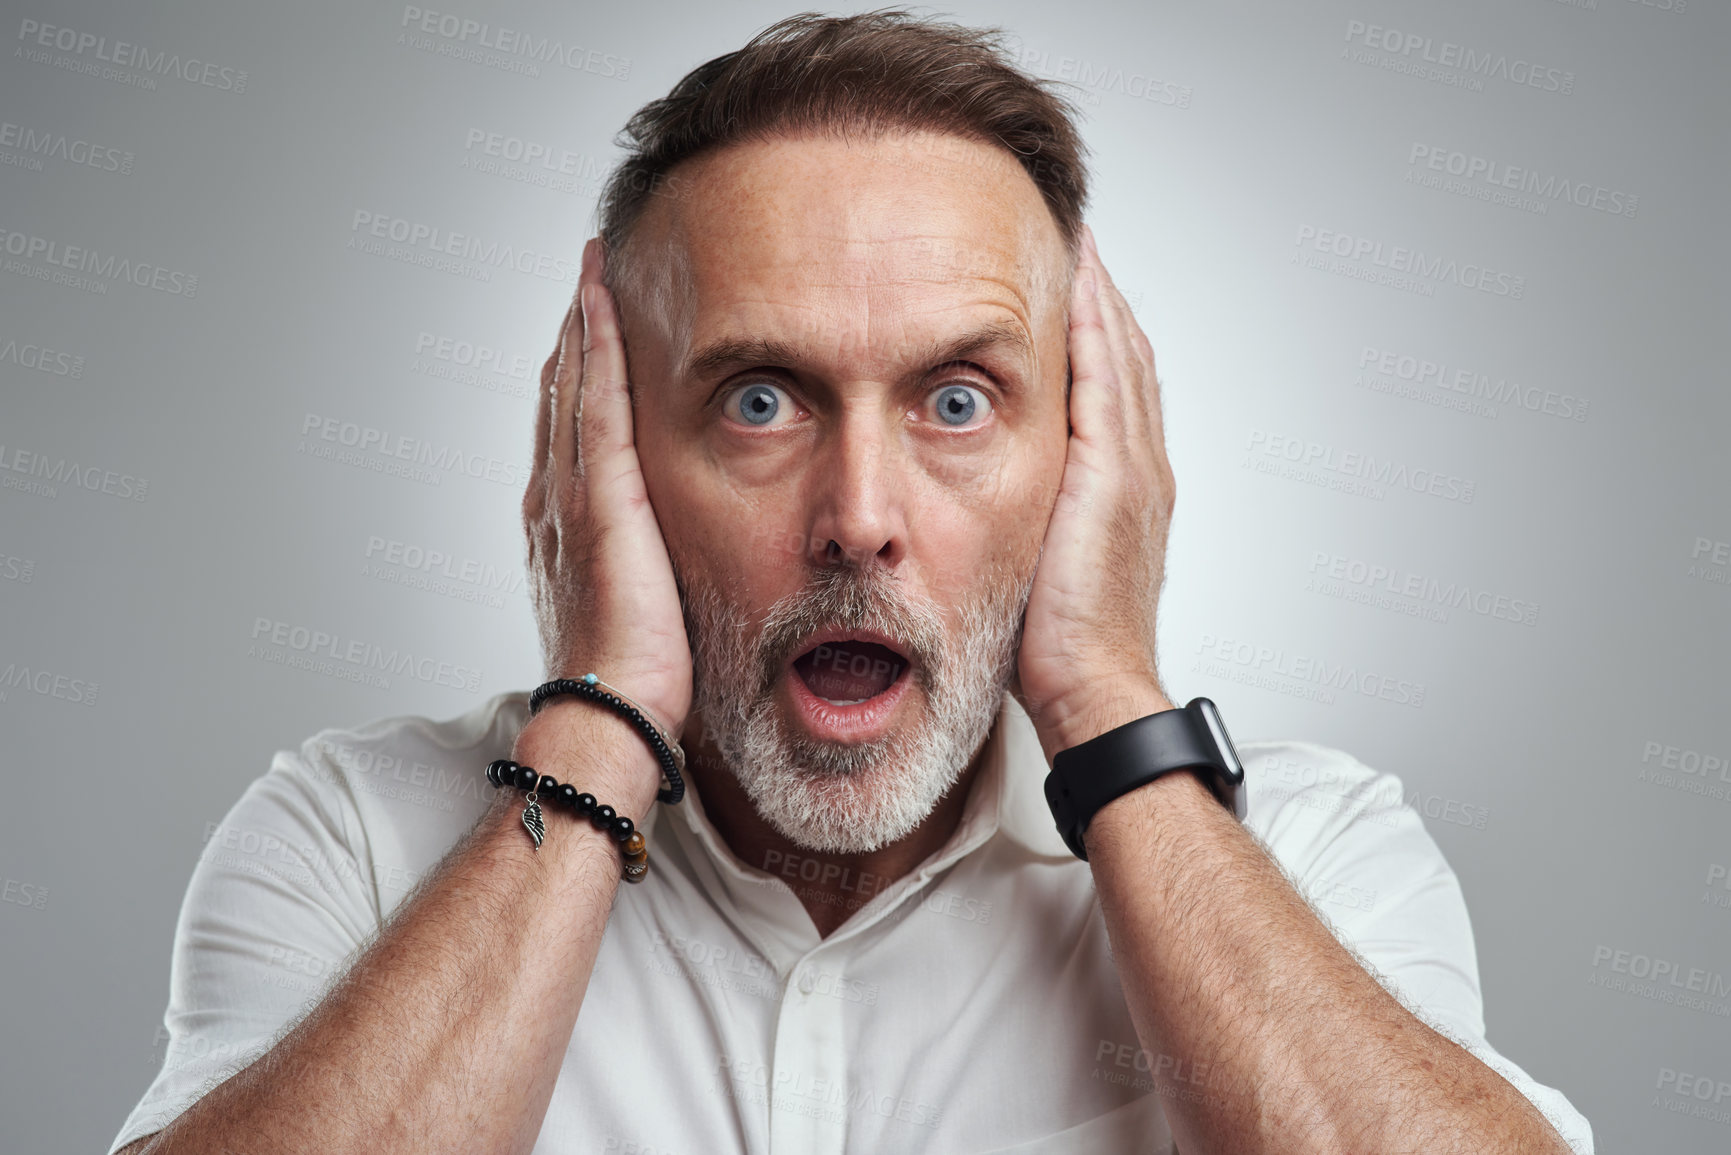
x=851 y=598
x=868 y=598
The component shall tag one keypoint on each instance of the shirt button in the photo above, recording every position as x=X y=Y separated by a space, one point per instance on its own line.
x=807 y=984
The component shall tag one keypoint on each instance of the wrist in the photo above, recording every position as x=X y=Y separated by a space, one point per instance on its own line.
x=595 y=750
x=573 y=847
x=1095 y=707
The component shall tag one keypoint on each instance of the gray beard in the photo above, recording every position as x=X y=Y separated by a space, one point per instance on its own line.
x=852 y=798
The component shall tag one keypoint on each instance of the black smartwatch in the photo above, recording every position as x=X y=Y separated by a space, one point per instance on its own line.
x=1084 y=778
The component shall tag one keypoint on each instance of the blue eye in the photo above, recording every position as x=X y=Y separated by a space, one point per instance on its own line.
x=757 y=404
x=958 y=404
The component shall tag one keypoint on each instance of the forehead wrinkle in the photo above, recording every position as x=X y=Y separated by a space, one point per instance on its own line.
x=838 y=316
x=1011 y=262
x=1007 y=334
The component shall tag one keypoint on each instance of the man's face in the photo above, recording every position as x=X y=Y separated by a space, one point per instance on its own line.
x=852 y=421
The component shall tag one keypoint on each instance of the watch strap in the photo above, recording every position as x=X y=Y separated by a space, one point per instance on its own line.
x=1086 y=777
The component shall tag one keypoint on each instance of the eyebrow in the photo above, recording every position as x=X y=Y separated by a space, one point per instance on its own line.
x=744 y=352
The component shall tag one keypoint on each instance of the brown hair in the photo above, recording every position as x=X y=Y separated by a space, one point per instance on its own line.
x=875 y=72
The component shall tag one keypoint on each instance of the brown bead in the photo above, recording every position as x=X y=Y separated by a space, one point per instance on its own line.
x=640 y=856
x=635 y=844
x=634 y=871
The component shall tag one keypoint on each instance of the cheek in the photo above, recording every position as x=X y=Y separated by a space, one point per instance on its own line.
x=989 y=533
x=742 y=538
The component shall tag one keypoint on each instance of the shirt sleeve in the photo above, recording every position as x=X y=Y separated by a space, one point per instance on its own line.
x=1364 y=860
x=278 y=905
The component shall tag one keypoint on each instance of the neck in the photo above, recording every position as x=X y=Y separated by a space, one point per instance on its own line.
x=830 y=886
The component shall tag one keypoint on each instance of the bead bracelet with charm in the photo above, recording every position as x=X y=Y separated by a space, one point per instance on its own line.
x=619 y=827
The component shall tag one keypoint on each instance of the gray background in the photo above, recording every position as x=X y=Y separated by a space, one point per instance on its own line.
x=1228 y=139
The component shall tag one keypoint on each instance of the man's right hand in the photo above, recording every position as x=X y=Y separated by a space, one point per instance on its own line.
x=602 y=585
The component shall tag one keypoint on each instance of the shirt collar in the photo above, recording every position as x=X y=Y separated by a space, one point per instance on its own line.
x=1024 y=817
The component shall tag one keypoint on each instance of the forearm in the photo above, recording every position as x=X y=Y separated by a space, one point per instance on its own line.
x=1266 y=1033
x=448 y=1033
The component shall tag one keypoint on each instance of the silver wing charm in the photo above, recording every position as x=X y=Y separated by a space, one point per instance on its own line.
x=532 y=819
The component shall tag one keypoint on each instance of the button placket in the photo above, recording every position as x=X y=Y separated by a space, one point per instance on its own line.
x=808 y=1093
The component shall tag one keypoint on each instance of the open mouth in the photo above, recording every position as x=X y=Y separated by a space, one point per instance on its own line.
x=850 y=671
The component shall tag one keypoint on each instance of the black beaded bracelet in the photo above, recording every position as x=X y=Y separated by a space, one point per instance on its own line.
x=669 y=754
x=619 y=827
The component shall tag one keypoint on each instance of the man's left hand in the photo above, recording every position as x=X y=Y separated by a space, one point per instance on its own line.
x=1087 y=660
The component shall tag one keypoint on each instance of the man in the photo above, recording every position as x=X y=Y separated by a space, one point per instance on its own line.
x=891 y=447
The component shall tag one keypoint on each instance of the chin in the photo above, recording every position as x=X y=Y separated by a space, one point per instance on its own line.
x=847 y=797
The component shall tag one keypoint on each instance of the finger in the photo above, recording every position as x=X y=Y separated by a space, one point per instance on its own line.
x=563 y=411
x=1121 y=328
x=1095 y=405
x=534 y=496
x=604 y=428
x=544 y=407
x=1141 y=383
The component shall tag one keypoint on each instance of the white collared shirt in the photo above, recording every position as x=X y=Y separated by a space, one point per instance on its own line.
x=969 y=1007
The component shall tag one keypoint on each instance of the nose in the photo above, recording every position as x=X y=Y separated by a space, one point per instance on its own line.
x=859 y=495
